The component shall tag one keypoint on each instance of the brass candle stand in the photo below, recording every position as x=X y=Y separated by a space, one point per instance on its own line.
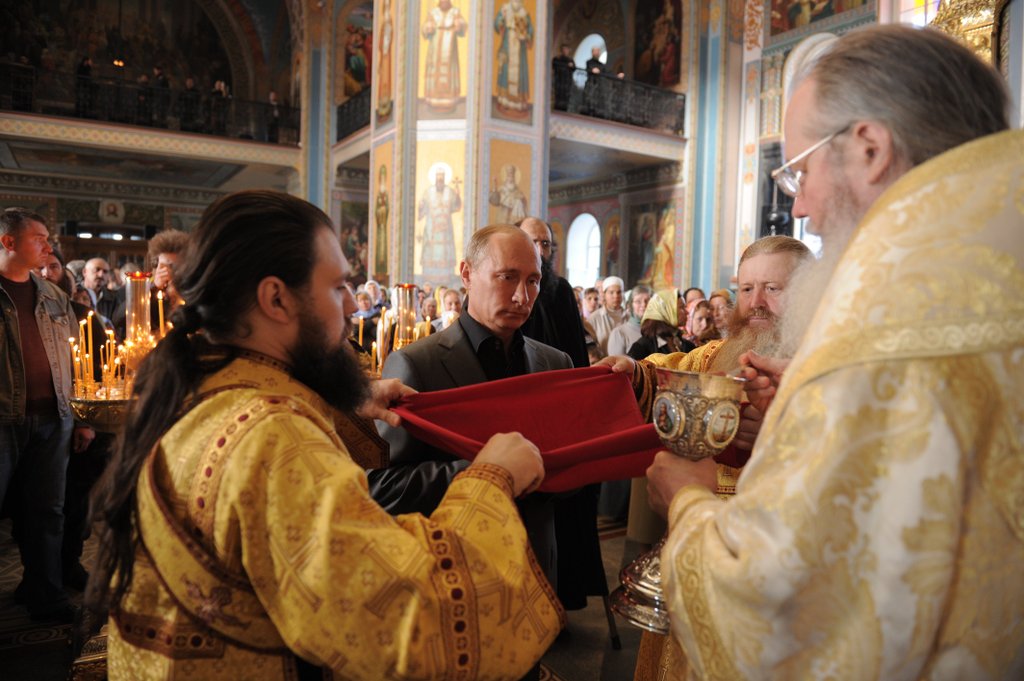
x=102 y=403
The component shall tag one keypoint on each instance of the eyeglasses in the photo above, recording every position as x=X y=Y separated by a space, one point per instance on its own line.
x=789 y=180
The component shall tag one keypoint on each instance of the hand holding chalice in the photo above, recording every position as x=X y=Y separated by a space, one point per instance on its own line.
x=697 y=416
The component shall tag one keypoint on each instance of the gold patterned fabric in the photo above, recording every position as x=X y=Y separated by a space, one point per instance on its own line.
x=260 y=543
x=878 y=529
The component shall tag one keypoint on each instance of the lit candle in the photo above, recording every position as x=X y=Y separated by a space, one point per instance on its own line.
x=160 y=307
x=361 y=332
x=373 y=357
x=89 y=355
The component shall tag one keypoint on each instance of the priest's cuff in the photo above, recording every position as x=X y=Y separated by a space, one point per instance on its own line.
x=492 y=473
x=689 y=499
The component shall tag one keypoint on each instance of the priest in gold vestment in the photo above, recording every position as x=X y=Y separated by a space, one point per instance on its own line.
x=878 y=529
x=238 y=538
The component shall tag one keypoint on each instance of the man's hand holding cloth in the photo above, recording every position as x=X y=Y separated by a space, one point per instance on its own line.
x=585 y=422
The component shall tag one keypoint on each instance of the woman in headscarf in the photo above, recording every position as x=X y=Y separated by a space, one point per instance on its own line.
x=700 y=324
x=659 y=328
x=606 y=318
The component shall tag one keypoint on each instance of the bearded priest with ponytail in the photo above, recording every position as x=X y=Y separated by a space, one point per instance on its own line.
x=238 y=539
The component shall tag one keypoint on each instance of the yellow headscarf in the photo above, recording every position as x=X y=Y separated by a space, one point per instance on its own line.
x=664 y=307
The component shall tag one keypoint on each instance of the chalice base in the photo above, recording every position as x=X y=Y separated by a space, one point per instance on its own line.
x=639 y=598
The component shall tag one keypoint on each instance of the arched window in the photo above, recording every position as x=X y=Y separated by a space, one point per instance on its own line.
x=583 y=255
x=583 y=53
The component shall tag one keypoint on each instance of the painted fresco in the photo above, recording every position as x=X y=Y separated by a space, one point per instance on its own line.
x=440 y=169
x=41 y=205
x=508 y=194
x=385 y=75
x=353 y=67
x=791 y=15
x=353 y=229
x=383 y=199
x=182 y=219
x=170 y=33
x=657 y=50
x=444 y=60
x=611 y=236
x=514 y=29
x=652 y=249
x=39 y=157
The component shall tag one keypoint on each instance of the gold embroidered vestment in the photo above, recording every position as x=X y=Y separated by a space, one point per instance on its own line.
x=878 y=529
x=300 y=560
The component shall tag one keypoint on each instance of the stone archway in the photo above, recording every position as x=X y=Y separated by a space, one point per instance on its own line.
x=232 y=36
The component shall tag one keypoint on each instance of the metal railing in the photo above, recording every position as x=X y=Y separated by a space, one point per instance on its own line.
x=25 y=88
x=354 y=114
x=617 y=99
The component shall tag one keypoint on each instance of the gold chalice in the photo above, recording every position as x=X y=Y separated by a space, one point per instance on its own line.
x=696 y=416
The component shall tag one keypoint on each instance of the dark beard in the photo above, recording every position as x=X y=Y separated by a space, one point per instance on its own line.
x=548 y=278
x=331 y=371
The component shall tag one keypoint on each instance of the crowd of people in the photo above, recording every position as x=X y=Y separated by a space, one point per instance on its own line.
x=151 y=98
x=49 y=465
x=866 y=522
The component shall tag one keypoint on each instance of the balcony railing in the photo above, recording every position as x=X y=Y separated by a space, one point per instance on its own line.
x=24 y=88
x=617 y=99
x=354 y=114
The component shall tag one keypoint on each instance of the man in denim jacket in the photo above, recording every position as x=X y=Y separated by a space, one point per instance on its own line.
x=36 y=425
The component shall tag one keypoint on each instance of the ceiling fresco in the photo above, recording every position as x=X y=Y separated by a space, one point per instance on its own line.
x=113 y=165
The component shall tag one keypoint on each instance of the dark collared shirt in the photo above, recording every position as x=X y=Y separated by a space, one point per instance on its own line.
x=491 y=352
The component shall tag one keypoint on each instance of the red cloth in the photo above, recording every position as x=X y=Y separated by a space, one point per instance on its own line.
x=585 y=422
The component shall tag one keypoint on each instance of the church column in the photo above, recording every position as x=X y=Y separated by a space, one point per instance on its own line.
x=317 y=112
x=710 y=112
x=458 y=129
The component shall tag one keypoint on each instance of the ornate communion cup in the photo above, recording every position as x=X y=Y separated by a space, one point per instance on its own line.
x=696 y=416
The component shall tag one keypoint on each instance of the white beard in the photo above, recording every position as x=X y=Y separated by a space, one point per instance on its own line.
x=761 y=341
x=808 y=282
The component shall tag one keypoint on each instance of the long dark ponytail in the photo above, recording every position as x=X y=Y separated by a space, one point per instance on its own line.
x=240 y=240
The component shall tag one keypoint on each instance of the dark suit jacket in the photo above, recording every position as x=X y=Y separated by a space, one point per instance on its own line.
x=419 y=474
x=111 y=304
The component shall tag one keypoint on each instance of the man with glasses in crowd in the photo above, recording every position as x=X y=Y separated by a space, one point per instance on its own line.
x=877 y=530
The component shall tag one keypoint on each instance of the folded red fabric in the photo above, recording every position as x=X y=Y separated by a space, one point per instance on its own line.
x=585 y=422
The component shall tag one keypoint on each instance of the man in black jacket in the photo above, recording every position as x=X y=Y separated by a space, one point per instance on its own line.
x=555 y=319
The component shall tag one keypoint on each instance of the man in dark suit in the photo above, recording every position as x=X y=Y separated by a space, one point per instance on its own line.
x=556 y=321
x=563 y=69
x=107 y=303
x=501 y=272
